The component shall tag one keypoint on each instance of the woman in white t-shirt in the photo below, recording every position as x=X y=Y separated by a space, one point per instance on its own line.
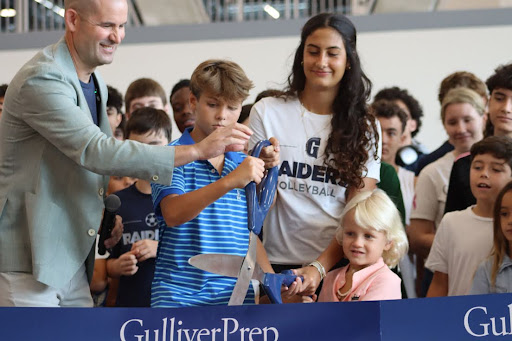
x=329 y=147
x=462 y=114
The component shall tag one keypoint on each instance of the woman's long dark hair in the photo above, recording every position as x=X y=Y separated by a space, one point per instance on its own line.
x=352 y=126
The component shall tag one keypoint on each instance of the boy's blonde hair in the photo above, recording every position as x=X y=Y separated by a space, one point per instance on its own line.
x=463 y=95
x=222 y=78
x=375 y=210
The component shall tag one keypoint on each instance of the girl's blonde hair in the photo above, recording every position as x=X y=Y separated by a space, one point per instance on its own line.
x=501 y=246
x=375 y=210
x=462 y=95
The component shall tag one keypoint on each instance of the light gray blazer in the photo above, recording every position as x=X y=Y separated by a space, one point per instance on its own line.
x=53 y=166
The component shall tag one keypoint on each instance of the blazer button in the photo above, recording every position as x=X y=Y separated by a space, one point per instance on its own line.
x=91 y=232
x=155 y=178
x=101 y=191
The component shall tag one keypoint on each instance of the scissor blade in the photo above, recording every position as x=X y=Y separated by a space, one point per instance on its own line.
x=223 y=264
x=245 y=274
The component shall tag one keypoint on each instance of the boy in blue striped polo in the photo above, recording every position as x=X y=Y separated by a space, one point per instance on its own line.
x=204 y=210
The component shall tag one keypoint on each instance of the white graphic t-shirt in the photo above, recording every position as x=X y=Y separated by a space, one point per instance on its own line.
x=309 y=199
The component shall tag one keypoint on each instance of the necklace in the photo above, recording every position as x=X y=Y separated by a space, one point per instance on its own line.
x=321 y=125
x=341 y=295
x=304 y=114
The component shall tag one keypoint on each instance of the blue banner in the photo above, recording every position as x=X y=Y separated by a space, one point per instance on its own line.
x=485 y=317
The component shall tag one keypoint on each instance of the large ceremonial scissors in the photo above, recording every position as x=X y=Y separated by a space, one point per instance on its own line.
x=259 y=201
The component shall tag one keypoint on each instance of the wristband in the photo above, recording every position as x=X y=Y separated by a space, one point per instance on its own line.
x=319 y=267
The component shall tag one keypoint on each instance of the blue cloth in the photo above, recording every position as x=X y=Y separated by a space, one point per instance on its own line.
x=89 y=90
x=139 y=223
x=219 y=228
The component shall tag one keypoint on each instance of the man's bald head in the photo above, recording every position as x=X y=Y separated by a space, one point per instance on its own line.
x=81 y=6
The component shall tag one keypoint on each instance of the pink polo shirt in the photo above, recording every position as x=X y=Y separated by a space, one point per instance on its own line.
x=373 y=283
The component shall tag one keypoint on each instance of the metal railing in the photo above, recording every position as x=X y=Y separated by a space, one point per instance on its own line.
x=40 y=15
x=246 y=10
x=47 y=15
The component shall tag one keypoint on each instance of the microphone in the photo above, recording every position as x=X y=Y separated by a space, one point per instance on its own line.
x=112 y=204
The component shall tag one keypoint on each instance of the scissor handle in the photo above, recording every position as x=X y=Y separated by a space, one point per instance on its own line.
x=260 y=199
x=272 y=284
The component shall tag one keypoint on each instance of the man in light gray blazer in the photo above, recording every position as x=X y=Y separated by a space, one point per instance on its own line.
x=56 y=151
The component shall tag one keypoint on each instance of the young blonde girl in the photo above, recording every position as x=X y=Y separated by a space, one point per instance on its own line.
x=495 y=274
x=373 y=239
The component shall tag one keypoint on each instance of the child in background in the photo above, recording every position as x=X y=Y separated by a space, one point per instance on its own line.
x=495 y=274
x=132 y=260
x=145 y=92
x=464 y=238
x=373 y=239
x=205 y=210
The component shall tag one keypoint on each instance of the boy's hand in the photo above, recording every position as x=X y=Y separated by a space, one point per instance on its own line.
x=144 y=249
x=251 y=169
x=270 y=154
x=226 y=139
x=127 y=264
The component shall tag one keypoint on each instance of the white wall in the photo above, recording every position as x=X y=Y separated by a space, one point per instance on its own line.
x=414 y=59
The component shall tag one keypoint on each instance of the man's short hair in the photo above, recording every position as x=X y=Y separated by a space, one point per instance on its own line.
x=222 y=78
x=144 y=87
x=462 y=79
x=502 y=78
x=498 y=146
x=3 y=90
x=387 y=109
x=183 y=83
x=147 y=119
x=115 y=99
x=395 y=93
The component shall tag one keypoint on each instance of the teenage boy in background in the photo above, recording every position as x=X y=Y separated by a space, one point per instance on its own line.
x=413 y=111
x=145 y=92
x=180 y=103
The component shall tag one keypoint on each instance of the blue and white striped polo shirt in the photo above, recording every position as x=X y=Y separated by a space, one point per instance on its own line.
x=219 y=228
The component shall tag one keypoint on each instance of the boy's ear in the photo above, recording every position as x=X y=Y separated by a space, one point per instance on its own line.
x=403 y=138
x=193 y=102
x=167 y=107
x=412 y=124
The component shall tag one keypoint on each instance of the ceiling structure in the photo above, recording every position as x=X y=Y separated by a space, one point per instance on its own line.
x=46 y=15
